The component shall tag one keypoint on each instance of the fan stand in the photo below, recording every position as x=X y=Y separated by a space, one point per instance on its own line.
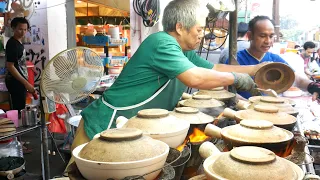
x=44 y=140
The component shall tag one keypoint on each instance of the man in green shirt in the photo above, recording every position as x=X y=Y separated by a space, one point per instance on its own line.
x=161 y=57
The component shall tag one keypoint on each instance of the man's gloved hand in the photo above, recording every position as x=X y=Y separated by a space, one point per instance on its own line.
x=314 y=89
x=244 y=82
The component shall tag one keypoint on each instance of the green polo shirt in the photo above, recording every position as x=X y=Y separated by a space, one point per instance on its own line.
x=158 y=59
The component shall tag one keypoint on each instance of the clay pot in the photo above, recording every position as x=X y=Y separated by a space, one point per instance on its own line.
x=192 y=115
x=249 y=162
x=286 y=100
x=278 y=102
x=276 y=76
x=205 y=104
x=261 y=112
x=217 y=93
x=260 y=133
x=158 y=124
x=119 y=153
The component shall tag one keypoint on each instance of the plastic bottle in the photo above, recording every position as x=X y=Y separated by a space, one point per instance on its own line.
x=11 y=147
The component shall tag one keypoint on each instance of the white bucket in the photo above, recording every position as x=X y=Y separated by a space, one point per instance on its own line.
x=114 y=32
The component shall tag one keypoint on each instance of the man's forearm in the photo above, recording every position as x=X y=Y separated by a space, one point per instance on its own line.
x=202 y=78
x=235 y=68
x=302 y=81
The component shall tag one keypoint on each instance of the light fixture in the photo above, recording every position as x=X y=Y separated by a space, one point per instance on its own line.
x=79 y=1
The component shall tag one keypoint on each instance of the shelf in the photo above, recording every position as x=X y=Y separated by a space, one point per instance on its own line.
x=20 y=131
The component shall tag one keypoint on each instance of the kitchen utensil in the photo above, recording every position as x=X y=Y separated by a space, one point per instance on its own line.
x=268 y=92
x=262 y=112
x=276 y=102
x=217 y=93
x=29 y=116
x=276 y=76
x=119 y=153
x=249 y=162
x=260 y=133
x=158 y=124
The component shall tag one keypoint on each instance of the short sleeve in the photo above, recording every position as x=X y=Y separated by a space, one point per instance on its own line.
x=11 y=55
x=169 y=59
x=198 y=61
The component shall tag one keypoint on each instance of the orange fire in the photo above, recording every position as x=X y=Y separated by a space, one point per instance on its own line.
x=196 y=137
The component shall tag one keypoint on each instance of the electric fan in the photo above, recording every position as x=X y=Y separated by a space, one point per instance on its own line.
x=71 y=76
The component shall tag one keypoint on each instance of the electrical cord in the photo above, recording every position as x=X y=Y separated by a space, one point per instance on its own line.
x=149 y=10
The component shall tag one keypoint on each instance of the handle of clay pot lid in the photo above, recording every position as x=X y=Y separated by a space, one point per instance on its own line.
x=186 y=96
x=311 y=177
x=212 y=131
x=242 y=105
x=121 y=121
x=229 y=113
x=208 y=149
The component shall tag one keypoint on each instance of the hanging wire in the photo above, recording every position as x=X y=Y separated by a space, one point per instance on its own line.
x=149 y=10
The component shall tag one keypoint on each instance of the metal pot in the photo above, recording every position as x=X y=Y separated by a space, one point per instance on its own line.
x=247 y=162
x=158 y=124
x=260 y=133
x=261 y=112
x=29 y=116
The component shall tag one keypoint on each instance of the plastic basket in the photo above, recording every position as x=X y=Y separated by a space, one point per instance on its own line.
x=104 y=41
x=115 y=60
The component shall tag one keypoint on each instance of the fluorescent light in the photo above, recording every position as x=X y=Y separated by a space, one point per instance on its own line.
x=79 y=1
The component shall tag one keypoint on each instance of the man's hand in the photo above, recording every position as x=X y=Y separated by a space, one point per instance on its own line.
x=314 y=89
x=29 y=88
x=244 y=82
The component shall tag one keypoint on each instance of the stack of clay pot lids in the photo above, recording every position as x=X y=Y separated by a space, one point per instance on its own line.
x=7 y=127
x=217 y=93
x=122 y=145
x=280 y=103
x=192 y=115
x=201 y=101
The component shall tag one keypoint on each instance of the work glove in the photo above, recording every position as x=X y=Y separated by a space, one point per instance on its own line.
x=314 y=89
x=244 y=82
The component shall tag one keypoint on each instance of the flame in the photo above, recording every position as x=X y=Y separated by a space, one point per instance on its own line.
x=220 y=115
x=197 y=136
x=181 y=147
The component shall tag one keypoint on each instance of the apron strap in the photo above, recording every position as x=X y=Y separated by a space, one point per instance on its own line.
x=133 y=106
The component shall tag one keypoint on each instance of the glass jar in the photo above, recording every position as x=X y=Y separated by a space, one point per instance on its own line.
x=11 y=147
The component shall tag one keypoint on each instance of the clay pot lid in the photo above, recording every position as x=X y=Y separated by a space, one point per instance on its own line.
x=256 y=132
x=156 y=121
x=117 y=145
x=221 y=95
x=250 y=162
x=152 y=113
x=187 y=110
x=268 y=113
x=252 y=154
x=192 y=115
x=217 y=89
x=276 y=76
x=201 y=101
x=266 y=109
x=120 y=134
x=270 y=99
